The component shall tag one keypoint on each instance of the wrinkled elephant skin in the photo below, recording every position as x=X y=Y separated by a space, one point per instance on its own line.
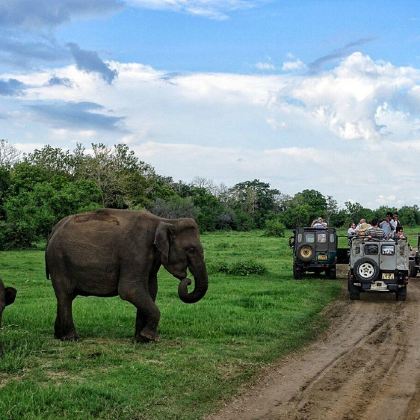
x=112 y=252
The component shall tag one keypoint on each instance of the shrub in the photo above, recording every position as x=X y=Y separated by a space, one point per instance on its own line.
x=240 y=268
x=275 y=227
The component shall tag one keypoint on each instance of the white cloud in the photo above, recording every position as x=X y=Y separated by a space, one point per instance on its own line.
x=288 y=130
x=265 y=66
x=214 y=9
x=293 y=65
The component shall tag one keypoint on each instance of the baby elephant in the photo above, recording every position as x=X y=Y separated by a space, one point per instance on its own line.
x=7 y=297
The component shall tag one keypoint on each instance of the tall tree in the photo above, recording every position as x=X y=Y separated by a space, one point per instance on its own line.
x=255 y=198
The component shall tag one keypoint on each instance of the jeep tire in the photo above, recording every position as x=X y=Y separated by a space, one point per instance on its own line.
x=297 y=272
x=354 y=292
x=331 y=272
x=366 y=270
x=401 y=293
x=412 y=270
x=305 y=253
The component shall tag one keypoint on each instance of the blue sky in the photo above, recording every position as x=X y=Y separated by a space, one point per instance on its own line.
x=300 y=94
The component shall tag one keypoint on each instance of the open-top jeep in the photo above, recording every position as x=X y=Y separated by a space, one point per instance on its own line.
x=378 y=265
x=314 y=250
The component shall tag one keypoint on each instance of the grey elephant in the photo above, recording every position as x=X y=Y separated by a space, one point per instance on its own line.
x=7 y=297
x=112 y=252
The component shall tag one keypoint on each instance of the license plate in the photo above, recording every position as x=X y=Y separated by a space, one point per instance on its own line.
x=322 y=257
x=388 y=276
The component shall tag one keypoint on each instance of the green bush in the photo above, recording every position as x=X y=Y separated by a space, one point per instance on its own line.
x=274 y=227
x=240 y=268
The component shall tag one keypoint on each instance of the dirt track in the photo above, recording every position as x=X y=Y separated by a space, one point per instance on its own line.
x=367 y=366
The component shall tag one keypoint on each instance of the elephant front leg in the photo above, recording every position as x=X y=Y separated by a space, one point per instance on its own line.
x=141 y=318
x=148 y=314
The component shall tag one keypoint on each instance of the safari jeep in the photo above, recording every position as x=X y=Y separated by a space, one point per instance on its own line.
x=378 y=266
x=314 y=250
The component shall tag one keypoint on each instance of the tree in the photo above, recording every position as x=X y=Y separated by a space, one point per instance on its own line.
x=356 y=211
x=118 y=174
x=9 y=155
x=175 y=207
x=316 y=202
x=297 y=215
x=409 y=215
x=209 y=208
x=255 y=198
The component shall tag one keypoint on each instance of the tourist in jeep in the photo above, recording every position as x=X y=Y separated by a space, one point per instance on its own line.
x=351 y=231
x=375 y=231
x=399 y=233
x=395 y=222
x=319 y=223
x=362 y=227
x=387 y=227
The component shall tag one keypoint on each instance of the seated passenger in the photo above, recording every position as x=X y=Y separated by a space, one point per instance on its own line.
x=387 y=226
x=351 y=231
x=319 y=223
x=362 y=227
x=399 y=233
x=375 y=231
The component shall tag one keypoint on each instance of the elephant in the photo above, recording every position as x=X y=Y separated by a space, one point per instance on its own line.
x=110 y=252
x=7 y=297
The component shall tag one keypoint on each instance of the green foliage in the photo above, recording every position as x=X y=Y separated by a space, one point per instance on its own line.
x=174 y=207
x=275 y=227
x=296 y=215
x=40 y=188
x=409 y=215
x=253 y=198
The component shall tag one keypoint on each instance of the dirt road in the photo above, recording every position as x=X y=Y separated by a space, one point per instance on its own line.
x=366 y=366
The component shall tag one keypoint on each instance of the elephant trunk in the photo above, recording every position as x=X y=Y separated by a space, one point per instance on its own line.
x=200 y=285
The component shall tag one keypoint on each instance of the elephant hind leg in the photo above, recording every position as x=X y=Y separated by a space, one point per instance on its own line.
x=64 y=328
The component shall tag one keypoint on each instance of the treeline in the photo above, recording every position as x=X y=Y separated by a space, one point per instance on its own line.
x=39 y=188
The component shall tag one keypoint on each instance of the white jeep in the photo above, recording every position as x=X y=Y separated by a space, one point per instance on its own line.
x=378 y=265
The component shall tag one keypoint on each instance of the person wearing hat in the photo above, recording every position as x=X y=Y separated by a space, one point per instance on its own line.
x=362 y=227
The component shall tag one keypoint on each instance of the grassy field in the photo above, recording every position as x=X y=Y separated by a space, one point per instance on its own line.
x=206 y=351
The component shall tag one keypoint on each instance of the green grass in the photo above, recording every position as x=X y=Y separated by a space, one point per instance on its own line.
x=207 y=350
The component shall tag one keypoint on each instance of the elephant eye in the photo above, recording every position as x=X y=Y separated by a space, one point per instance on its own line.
x=191 y=250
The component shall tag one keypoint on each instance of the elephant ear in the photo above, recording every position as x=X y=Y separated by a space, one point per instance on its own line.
x=164 y=233
x=10 y=295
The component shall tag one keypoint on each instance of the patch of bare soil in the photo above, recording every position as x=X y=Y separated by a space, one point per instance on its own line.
x=367 y=366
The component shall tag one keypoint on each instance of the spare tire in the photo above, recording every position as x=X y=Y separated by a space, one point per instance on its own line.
x=366 y=270
x=305 y=253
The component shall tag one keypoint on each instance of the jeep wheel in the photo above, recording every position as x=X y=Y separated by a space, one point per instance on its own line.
x=297 y=272
x=305 y=253
x=331 y=273
x=354 y=292
x=401 y=293
x=366 y=270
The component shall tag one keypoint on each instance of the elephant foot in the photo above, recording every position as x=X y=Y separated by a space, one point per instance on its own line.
x=147 y=336
x=72 y=336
